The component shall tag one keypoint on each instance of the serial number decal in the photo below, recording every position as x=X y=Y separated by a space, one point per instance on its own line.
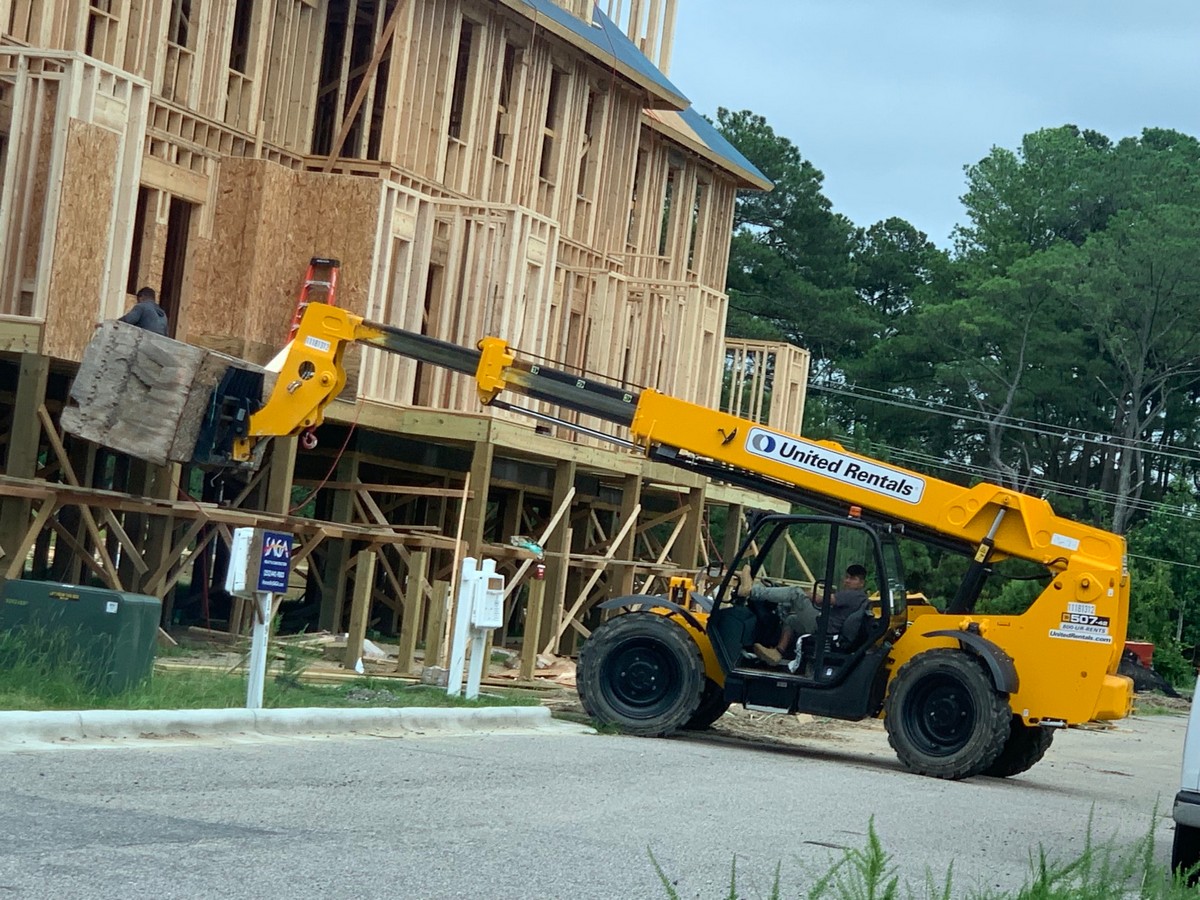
x=317 y=343
x=1084 y=609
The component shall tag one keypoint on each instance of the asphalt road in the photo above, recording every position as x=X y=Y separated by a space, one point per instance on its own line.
x=542 y=816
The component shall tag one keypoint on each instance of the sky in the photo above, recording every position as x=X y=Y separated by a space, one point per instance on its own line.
x=891 y=99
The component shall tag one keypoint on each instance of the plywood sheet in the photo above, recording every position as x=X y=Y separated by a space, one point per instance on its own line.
x=82 y=237
x=268 y=222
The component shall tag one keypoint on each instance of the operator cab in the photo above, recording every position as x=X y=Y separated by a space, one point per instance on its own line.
x=831 y=632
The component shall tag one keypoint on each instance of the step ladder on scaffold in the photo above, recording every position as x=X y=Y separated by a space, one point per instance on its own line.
x=320 y=286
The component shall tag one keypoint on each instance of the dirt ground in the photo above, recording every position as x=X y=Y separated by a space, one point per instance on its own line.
x=555 y=687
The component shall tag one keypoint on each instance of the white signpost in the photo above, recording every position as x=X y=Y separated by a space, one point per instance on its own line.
x=479 y=608
x=259 y=565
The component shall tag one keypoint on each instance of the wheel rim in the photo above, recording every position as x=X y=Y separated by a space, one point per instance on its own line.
x=639 y=678
x=940 y=717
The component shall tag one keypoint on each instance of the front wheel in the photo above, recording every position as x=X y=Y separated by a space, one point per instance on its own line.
x=1026 y=745
x=642 y=673
x=943 y=717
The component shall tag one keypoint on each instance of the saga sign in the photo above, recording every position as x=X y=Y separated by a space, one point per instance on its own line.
x=275 y=563
x=849 y=470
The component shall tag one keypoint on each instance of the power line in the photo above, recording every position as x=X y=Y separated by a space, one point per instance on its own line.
x=1013 y=423
x=1165 y=562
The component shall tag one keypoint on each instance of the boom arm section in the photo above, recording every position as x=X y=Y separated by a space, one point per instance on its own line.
x=998 y=521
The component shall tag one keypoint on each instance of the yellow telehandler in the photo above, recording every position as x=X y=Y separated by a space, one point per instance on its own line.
x=960 y=693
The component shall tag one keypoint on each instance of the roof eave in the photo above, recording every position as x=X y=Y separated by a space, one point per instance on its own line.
x=657 y=96
x=746 y=179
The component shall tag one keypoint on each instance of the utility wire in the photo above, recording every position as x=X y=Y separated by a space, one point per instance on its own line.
x=1041 y=429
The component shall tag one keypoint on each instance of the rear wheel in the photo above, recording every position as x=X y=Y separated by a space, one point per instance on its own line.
x=943 y=717
x=712 y=706
x=1026 y=745
x=641 y=672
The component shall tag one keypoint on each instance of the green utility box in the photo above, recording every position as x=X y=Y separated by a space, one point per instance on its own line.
x=111 y=633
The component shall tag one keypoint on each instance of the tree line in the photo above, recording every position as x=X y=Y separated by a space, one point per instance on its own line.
x=1054 y=349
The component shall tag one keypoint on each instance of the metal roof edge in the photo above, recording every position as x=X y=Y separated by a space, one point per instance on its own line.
x=607 y=45
x=710 y=144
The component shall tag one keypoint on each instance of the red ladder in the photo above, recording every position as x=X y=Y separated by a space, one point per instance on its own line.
x=320 y=286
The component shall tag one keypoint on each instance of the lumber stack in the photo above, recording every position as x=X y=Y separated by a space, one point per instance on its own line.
x=144 y=394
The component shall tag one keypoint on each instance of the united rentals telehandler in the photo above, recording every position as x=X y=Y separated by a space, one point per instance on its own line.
x=961 y=693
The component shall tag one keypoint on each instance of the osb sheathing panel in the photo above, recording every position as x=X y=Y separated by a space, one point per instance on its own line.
x=36 y=202
x=81 y=239
x=268 y=222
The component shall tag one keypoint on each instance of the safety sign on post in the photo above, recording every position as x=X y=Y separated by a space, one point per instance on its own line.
x=260 y=563
x=478 y=610
x=274 y=562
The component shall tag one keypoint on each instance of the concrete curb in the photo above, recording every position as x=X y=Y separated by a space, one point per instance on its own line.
x=19 y=728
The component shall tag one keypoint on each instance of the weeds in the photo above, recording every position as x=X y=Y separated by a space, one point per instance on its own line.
x=58 y=664
x=1100 y=872
x=50 y=669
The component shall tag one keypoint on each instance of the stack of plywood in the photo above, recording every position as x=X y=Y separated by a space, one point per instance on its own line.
x=144 y=394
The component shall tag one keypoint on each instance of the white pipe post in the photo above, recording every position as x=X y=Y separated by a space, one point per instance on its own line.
x=468 y=582
x=258 y=649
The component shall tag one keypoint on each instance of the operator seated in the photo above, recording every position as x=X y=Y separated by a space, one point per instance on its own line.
x=796 y=614
x=850 y=606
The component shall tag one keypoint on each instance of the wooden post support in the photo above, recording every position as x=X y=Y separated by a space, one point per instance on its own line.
x=435 y=622
x=89 y=521
x=533 y=627
x=689 y=541
x=558 y=548
x=24 y=438
x=364 y=578
x=734 y=530
x=631 y=497
x=477 y=503
x=279 y=475
x=337 y=551
x=418 y=563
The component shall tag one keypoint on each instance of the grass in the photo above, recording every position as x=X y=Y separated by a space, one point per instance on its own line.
x=44 y=670
x=1100 y=872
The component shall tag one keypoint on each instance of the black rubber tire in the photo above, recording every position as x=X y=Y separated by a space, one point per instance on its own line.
x=642 y=673
x=943 y=716
x=712 y=706
x=1025 y=747
x=1185 y=853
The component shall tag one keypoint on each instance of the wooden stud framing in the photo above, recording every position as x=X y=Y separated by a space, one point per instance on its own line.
x=364 y=577
x=539 y=219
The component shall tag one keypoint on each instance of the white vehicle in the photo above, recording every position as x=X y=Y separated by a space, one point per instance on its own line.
x=1185 y=853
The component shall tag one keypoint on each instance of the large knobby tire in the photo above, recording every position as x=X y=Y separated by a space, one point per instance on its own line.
x=943 y=716
x=1026 y=745
x=712 y=706
x=642 y=673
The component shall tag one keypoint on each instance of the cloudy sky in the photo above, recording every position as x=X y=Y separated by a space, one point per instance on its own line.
x=891 y=99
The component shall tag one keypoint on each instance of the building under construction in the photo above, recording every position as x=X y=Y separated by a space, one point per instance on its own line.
x=523 y=168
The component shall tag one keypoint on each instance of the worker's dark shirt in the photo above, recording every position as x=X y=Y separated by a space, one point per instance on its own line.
x=147 y=315
x=845 y=602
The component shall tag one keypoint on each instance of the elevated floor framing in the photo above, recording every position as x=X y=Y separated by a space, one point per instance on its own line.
x=400 y=495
